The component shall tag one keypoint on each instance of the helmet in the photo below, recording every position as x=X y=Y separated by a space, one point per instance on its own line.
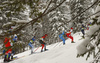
x=45 y=34
x=71 y=28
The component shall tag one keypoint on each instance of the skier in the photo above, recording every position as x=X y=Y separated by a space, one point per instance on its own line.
x=15 y=38
x=12 y=54
x=12 y=45
x=82 y=30
x=8 y=55
x=71 y=29
x=88 y=25
x=61 y=36
x=34 y=38
x=42 y=42
x=8 y=49
x=10 y=30
x=68 y=34
x=31 y=45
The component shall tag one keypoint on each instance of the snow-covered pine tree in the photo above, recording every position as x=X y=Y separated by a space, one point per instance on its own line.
x=91 y=45
x=16 y=10
x=56 y=22
x=34 y=7
x=77 y=15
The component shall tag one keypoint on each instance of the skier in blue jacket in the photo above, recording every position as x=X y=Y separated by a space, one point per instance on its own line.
x=31 y=45
x=15 y=38
x=61 y=36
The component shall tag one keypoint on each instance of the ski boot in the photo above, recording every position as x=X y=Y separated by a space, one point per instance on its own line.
x=5 y=60
x=8 y=60
x=83 y=37
x=41 y=50
x=72 y=42
x=45 y=49
x=11 y=56
x=31 y=52
x=63 y=43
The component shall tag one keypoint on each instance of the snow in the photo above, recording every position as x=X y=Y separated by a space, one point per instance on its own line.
x=55 y=17
x=98 y=14
x=0 y=31
x=22 y=21
x=70 y=24
x=82 y=47
x=57 y=53
x=92 y=30
x=1 y=18
x=97 y=9
x=9 y=23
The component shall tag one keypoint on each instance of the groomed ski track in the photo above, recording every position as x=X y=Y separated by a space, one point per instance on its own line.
x=57 y=53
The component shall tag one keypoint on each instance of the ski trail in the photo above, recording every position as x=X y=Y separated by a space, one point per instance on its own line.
x=54 y=53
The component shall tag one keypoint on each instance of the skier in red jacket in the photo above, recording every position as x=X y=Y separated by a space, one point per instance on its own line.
x=68 y=34
x=44 y=36
x=42 y=42
x=8 y=49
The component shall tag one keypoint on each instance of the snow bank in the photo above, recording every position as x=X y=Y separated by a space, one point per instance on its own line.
x=81 y=49
x=57 y=53
x=92 y=30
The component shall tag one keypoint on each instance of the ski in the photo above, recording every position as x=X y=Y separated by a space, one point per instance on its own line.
x=56 y=44
x=82 y=38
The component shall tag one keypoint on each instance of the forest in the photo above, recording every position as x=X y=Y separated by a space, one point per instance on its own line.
x=29 y=18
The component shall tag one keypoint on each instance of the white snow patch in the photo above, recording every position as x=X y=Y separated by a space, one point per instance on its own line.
x=57 y=53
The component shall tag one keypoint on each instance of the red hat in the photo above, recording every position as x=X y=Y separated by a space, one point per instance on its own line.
x=45 y=34
x=71 y=28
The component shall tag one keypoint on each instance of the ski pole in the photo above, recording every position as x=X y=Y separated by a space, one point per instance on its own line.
x=36 y=49
x=60 y=43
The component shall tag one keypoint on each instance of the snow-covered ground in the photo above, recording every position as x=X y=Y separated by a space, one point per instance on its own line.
x=56 y=54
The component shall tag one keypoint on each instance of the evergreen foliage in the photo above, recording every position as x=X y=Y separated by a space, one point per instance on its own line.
x=74 y=13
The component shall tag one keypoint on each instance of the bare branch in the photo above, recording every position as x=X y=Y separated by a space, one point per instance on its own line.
x=93 y=14
x=55 y=7
x=47 y=7
x=86 y=9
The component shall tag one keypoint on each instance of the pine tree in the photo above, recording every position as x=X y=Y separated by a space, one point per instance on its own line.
x=93 y=45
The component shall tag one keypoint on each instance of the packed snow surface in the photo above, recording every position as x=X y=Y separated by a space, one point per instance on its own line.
x=57 y=53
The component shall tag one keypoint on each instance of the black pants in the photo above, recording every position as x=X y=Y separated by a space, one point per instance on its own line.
x=41 y=42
